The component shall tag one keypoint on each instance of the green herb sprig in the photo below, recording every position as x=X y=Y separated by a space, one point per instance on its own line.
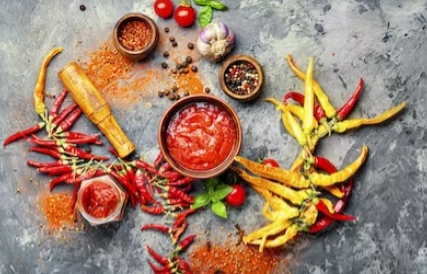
x=206 y=13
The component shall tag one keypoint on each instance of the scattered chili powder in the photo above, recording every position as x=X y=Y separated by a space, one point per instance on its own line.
x=57 y=210
x=229 y=259
x=135 y=34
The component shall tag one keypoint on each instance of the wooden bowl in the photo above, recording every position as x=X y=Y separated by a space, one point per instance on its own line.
x=182 y=103
x=137 y=54
x=236 y=59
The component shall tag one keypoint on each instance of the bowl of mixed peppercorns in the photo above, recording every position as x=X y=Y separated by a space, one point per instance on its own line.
x=135 y=36
x=241 y=77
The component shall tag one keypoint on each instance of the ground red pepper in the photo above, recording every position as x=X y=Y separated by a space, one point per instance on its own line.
x=228 y=259
x=135 y=34
x=57 y=210
x=100 y=199
x=200 y=136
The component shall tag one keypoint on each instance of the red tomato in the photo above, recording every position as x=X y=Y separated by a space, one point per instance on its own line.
x=270 y=162
x=185 y=16
x=163 y=8
x=237 y=196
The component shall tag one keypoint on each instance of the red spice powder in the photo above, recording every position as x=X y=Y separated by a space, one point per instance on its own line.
x=57 y=210
x=229 y=259
x=135 y=35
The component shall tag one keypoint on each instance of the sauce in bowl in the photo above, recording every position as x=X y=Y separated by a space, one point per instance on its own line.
x=201 y=136
x=100 y=199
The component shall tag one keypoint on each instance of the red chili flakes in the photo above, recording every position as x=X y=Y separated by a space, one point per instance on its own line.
x=135 y=35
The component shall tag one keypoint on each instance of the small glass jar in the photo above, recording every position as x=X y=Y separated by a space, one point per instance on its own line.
x=110 y=187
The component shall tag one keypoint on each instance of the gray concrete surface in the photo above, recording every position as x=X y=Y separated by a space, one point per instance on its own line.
x=383 y=41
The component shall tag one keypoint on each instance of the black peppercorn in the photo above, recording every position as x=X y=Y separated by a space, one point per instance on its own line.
x=164 y=65
x=166 y=54
x=82 y=7
x=166 y=29
x=193 y=68
x=207 y=90
x=172 y=39
x=167 y=92
x=178 y=66
x=184 y=64
x=190 y=46
x=88 y=150
x=174 y=44
x=160 y=93
x=188 y=59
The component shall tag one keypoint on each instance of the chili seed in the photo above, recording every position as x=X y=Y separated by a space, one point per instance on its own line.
x=166 y=29
x=160 y=93
x=172 y=39
x=166 y=54
x=207 y=90
x=171 y=97
x=188 y=59
x=167 y=92
x=88 y=150
x=82 y=7
x=193 y=68
x=190 y=46
x=174 y=44
x=164 y=65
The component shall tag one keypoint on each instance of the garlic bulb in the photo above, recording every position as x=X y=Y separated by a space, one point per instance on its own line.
x=215 y=41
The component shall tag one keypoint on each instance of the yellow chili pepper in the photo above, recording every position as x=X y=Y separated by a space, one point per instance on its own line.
x=271 y=232
x=328 y=204
x=334 y=190
x=284 y=176
x=39 y=105
x=290 y=233
x=294 y=109
x=342 y=175
x=350 y=124
x=275 y=202
x=295 y=128
x=295 y=197
x=279 y=215
x=308 y=121
x=275 y=226
x=320 y=94
x=310 y=214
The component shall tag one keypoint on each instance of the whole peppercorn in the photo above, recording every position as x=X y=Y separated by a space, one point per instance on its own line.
x=193 y=68
x=166 y=29
x=174 y=44
x=166 y=54
x=188 y=59
x=88 y=150
x=160 y=93
x=207 y=90
x=164 y=65
x=190 y=45
x=82 y=7
x=167 y=92
x=172 y=39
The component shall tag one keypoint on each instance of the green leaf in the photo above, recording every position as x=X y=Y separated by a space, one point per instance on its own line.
x=202 y=2
x=205 y=16
x=211 y=184
x=219 y=209
x=201 y=200
x=221 y=192
x=217 y=5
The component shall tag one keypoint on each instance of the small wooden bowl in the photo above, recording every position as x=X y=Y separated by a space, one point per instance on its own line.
x=164 y=123
x=137 y=54
x=236 y=59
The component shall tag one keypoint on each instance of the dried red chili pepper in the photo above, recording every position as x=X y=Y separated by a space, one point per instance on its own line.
x=140 y=185
x=149 y=183
x=336 y=216
x=171 y=175
x=165 y=167
x=122 y=180
x=183 y=265
x=76 y=190
x=56 y=169
x=58 y=119
x=160 y=259
x=159 y=227
x=115 y=153
x=178 y=232
x=345 y=110
x=180 y=182
x=90 y=173
x=164 y=269
x=180 y=217
x=69 y=121
x=184 y=244
x=24 y=133
x=46 y=151
x=60 y=179
x=54 y=164
x=146 y=166
x=156 y=210
x=187 y=188
x=174 y=192
x=84 y=140
x=158 y=160
x=80 y=153
x=319 y=113
x=56 y=105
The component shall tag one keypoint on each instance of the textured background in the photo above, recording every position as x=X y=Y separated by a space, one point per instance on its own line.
x=382 y=41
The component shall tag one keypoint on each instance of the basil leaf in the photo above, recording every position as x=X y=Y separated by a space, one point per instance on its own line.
x=211 y=184
x=221 y=192
x=205 y=16
x=217 y=5
x=201 y=200
x=202 y=2
x=219 y=209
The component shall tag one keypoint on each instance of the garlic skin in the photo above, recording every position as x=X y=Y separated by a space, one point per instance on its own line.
x=215 y=41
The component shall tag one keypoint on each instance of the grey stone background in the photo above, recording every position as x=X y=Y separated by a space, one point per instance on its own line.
x=382 y=41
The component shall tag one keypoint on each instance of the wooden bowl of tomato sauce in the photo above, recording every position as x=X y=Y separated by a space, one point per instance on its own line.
x=199 y=136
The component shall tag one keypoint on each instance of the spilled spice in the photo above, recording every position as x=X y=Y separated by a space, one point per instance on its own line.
x=57 y=210
x=229 y=259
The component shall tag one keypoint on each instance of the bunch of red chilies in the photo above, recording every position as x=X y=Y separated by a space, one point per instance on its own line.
x=138 y=178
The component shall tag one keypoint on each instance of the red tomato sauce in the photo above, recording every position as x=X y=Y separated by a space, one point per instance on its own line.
x=100 y=199
x=201 y=136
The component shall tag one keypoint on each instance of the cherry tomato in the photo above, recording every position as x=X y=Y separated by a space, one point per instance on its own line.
x=237 y=196
x=185 y=16
x=270 y=162
x=163 y=8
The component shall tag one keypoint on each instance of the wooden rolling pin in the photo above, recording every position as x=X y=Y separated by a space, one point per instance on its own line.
x=94 y=106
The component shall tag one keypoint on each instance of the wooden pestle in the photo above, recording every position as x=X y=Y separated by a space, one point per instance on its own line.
x=95 y=107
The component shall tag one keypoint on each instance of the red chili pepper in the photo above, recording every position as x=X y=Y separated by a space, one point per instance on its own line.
x=180 y=182
x=74 y=135
x=46 y=151
x=90 y=173
x=156 y=210
x=149 y=183
x=159 y=227
x=41 y=142
x=176 y=192
x=172 y=201
x=178 y=232
x=171 y=175
x=336 y=216
x=85 y=140
x=324 y=164
x=184 y=244
x=345 y=110
x=122 y=180
x=57 y=104
x=54 y=164
x=58 y=119
x=23 y=133
x=115 y=153
x=140 y=185
x=76 y=190
x=55 y=170
x=69 y=121
x=157 y=257
x=183 y=265
x=319 y=113
x=146 y=166
x=60 y=179
x=164 y=269
x=180 y=218
x=186 y=213
x=158 y=160
x=165 y=167
x=187 y=188
x=81 y=154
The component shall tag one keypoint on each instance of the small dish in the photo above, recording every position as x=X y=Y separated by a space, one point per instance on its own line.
x=184 y=103
x=141 y=53
x=237 y=60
